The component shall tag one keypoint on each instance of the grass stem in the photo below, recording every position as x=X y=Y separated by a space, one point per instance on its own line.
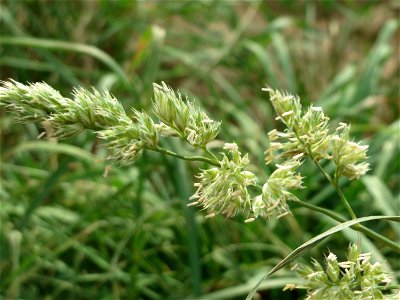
x=213 y=162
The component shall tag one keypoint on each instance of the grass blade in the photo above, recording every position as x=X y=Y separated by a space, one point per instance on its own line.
x=315 y=241
x=383 y=198
x=55 y=148
x=240 y=290
x=68 y=46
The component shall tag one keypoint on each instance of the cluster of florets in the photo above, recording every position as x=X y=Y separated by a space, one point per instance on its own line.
x=99 y=111
x=356 y=278
x=275 y=192
x=224 y=189
x=349 y=156
x=183 y=118
x=308 y=133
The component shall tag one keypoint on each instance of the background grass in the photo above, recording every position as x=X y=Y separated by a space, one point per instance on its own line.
x=68 y=232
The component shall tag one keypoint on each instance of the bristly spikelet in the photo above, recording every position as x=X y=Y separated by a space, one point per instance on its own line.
x=147 y=128
x=169 y=107
x=183 y=117
x=98 y=111
x=123 y=141
x=356 y=278
x=272 y=202
x=223 y=190
x=308 y=133
x=33 y=102
x=89 y=110
x=287 y=106
x=349 y=156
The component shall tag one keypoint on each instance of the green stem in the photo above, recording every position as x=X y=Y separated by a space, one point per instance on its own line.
x=358 y=227
x=206 y=150
x=184 y=157
x=333 y=215
x=389 y=287
x=342 y=196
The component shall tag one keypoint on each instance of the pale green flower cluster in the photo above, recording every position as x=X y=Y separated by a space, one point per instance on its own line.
x=348 y=154
x=183 y=117
x=224 y=189
x=93 y=110
x=356 y=278
x=273 y=199
x=31 y=103
x=88 y=110
x=308 y=133
x=125 y=137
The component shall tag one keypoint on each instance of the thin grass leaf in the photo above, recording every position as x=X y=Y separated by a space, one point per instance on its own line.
x=266 y=61
x=383 y=198
x=374 y=62
x=283 y=56
x=70 y=150
x=242 y=289
x=48 y=186
x=61 y=68
x=183 y=189
x=299 y=251
x=68 y=46
x=155 y=51
x=390 y=149
x=331 y=95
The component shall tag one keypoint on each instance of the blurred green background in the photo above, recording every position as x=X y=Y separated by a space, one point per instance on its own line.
x=70 y=232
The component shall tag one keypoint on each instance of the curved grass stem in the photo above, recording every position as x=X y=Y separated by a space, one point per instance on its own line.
x=207 y=151
x=337 y=217
x=213 y=162
x=342 y=196
x=357 y=227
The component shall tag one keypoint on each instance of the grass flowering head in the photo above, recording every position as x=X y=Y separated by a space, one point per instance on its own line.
x=200 y=129
x=223 y=190
x=287 y=106
x=88 y=110
x=147 y=129
x=170 y=107
x=123 y=142
x=349 y=156
x=33 y=102
x=183 y=117
x=309 y=133
x=356 y=278
x=275 y=192
x=305 y=131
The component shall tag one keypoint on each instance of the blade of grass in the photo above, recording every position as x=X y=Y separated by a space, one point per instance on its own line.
x=154 y=57
x=283 y=56
x=371 y=73
x=71 y=47
x=383 y=198
x=48 y=186
x=11 y=23
x=265 y=60
x=183 y=189
x=242 y=289
x=70 y=150
x=390 y=149
x=18 y=62
x=301 y=250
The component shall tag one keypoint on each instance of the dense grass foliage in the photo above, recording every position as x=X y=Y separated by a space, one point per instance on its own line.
x=76 y=226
